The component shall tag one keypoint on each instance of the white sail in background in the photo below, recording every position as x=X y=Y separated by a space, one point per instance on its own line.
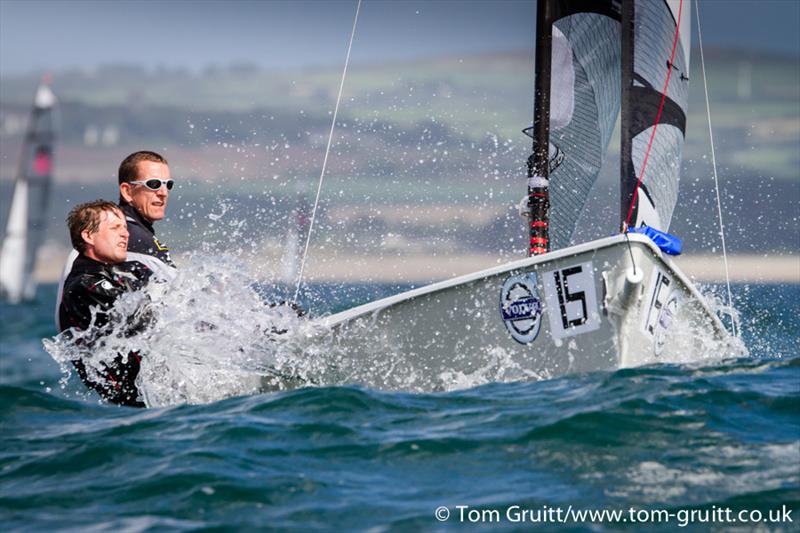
x=27 y=219
x=293 y=245
x=290 y=260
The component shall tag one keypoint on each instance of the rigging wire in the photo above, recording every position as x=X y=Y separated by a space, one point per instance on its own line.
x=630 y=251
x=714 y=165
x=327 y=152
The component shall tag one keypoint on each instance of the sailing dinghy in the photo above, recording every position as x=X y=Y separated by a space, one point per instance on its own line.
x=27 y=219
x=610 y=303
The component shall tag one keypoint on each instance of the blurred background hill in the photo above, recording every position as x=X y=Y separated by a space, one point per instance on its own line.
x=428 y=157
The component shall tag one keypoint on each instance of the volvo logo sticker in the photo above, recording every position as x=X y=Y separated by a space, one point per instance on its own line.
x=521 y=307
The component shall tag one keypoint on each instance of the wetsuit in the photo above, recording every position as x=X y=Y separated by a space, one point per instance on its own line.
x=92 y=284
x=143 y=246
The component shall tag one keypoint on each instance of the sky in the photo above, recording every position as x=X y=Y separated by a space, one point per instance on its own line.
x=52 y=35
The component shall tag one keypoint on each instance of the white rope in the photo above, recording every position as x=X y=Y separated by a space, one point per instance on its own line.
x=327 y=152
x=714 y=164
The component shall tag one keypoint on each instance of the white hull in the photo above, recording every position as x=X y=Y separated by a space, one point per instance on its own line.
x=458 y=327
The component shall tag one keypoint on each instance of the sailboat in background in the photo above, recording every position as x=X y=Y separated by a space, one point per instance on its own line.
x=605 y=304
x=27 y=219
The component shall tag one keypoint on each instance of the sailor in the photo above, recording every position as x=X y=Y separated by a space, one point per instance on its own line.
x=99 y=275
x=144 y=186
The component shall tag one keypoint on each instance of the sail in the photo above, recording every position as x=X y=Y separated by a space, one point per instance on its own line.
x=27 y=219
x=584 y=103
x=655 y=91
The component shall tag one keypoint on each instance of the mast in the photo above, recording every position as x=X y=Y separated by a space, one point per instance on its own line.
x=626 y=173
x=27 y=218
x=538 y=167
x=576 y=106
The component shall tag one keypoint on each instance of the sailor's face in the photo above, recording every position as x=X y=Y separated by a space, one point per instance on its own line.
x=109 y=244
x=152 y=205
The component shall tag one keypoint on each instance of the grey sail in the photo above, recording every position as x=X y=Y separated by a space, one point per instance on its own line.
x=27 y=219
x=655 y=90
x=584 y=105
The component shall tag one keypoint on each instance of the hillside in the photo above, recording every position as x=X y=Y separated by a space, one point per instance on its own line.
x=411 y=138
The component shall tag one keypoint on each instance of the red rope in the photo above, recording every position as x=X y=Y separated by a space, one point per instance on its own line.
x=658 y=115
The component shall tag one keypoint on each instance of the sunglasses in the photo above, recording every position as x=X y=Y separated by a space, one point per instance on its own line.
x=155 y=184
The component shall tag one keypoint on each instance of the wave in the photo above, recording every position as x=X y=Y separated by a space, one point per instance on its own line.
x=669 y=436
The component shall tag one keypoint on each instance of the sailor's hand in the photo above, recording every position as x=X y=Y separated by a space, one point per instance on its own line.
x=201 y=325
x=294 y=306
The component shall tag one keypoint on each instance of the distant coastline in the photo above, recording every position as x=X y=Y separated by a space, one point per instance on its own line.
x=420 y=268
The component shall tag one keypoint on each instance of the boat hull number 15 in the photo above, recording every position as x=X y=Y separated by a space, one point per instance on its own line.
x=571 y=300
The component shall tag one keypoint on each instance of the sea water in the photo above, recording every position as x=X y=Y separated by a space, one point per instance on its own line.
x=711 y=445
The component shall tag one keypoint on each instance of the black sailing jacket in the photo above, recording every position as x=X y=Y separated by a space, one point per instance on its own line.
x=142 y=238
x=92 y=284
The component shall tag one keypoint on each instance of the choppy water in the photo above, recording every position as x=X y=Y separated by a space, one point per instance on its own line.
x=684 y=439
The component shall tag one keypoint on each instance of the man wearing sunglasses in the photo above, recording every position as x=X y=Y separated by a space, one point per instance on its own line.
x=144 y=187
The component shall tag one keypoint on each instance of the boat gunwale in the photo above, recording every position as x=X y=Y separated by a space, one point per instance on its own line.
x=606 y=242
